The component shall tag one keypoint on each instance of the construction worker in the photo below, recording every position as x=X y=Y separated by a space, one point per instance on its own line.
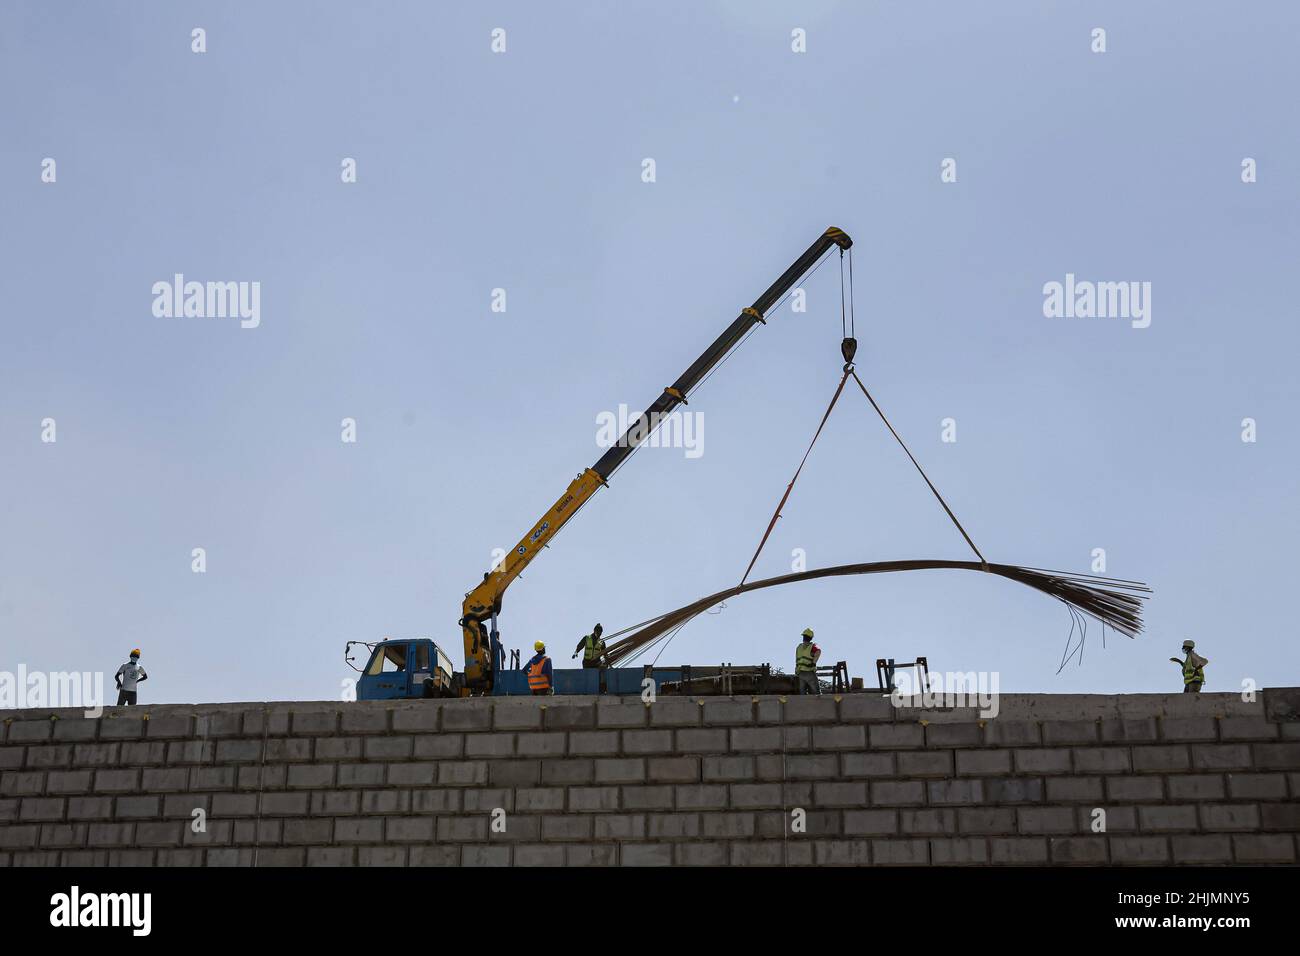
x=128 y=677
x=593 y=648
x=539 y=672
x=806 y=655
x=1193 y=665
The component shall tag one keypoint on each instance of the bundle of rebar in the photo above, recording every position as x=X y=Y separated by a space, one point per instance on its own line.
x=1113 y=602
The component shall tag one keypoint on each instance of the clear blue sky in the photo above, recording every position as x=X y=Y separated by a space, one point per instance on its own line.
x=523 y=171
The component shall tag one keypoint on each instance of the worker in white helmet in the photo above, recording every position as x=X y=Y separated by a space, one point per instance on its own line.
x=1193 y=665
x=806 y=655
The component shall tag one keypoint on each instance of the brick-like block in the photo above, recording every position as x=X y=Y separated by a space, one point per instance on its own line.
x=566 y=827
x=1129 y=730
x=726 y=769
x=1247 y=728
x=577 y=715
x=1257 y=786
x=762 y=853
x=701 y=854
x=986 y=820
x=675 y=712
x=517 y=715
x=663 y=770
x=648 y=741
x=568 y=771
x=701 y=797
x=728 y=711
x=553 y=744
x=462 y=773
x=1134 y=849
x=617 y=712
x=32 y=731
x=645 y=854
x=1215 y=848
x=75 y=730
x=883 y=736
x=841 y=852
x=1171 y=817
x=1070 y=732
x=435 y=855
x=897 y=793
x=728 y=826
x=596 y=799
x=936 y=821
x=490 y=745
x=943 y=792
x=1161 y=758
x=418 y=773
x=1074 y=790
x=964 y=734
x=171 y=726
x=593 y=743
x=926 y=763
x=1280 y=816
x=757 y=739
x=1195 y=786
x=1101 y=760
x=36 y=809
x=756 y=795
x=388 y=856
x=621 y=770
x=110 y=728
x=1035 y=820
x=1229 y=816
x=867 y=764
x=900 y=852
x=1131 y=789
x=618 y=826
x=673 y=826
x=1214 y=757
x=539 y=855
x=1261 y=848
x=1012 y=733
x=961 y=851
x=1282 y=756
x=514 y=773
x=1019 y=850
x=865 y=708
x=648 y=797
x=871 y=822
x=1189 y=728
x=808 y=709
x=1082 y=850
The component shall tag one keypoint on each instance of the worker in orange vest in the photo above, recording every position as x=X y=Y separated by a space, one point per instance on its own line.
x=539 y=672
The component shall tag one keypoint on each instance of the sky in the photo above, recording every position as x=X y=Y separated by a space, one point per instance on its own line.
x=524 y=170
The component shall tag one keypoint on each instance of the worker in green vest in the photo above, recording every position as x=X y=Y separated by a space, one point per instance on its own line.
x=593 y=648
x=1193 y=666
x=806 y=655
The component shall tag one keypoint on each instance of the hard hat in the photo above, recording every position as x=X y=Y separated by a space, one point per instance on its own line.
x=539 y=646
x=135 y=652
x=808 y=632
x=1189 y=645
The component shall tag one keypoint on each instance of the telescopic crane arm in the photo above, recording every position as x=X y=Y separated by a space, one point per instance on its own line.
x=483 y=604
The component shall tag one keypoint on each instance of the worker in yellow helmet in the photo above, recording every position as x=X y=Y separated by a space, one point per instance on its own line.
x=806 y=655
x=1193 y=665
x=128 y=677
x=539 y=672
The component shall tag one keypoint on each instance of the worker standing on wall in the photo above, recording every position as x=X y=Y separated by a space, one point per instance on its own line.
x=1193 y=665
x=539 y=672
x=128 y=677
x=593 y=648
x=806 y=655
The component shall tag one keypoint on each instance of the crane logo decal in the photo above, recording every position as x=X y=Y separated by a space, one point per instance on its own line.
x=542 y=529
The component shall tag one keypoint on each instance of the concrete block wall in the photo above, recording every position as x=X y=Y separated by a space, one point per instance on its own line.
x=1182 y=779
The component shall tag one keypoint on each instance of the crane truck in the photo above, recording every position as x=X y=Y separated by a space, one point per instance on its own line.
x=418 y=667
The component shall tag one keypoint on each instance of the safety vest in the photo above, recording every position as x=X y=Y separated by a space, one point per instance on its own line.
x=537 y=679
x=803 y=657
x=594 y=649
x=1192 y=673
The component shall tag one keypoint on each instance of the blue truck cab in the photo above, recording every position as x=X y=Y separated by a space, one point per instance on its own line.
x=406 y=668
